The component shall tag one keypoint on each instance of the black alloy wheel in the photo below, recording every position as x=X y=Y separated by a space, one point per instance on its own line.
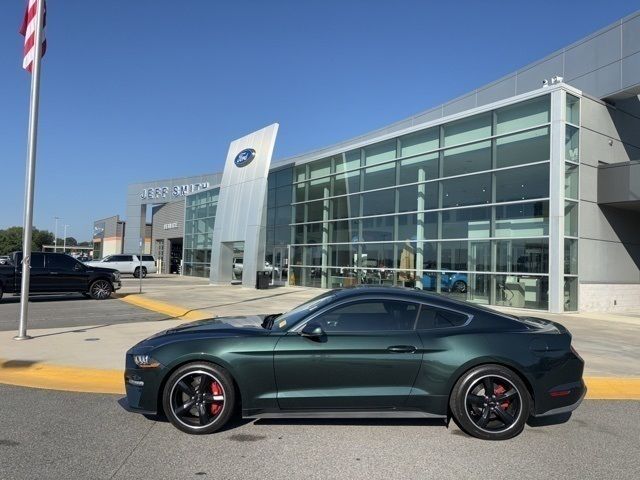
x=459 y=286
x=136 y=272
x=199 y=398
x=100 y=289
x=490 y=402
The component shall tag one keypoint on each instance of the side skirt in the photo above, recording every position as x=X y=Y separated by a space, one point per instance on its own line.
x=327 y=414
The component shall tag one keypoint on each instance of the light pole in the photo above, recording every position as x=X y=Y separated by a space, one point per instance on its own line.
x=55 y=240
x=64 y=240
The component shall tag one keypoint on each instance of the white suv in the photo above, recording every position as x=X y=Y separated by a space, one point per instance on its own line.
x=127 y=264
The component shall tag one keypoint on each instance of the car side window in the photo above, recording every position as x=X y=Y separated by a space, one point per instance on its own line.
x=126 y=258
x=431 y=318
x=37 y=260
x=369 y=316
x=147 y=258
x=111 y=258
x=60 y=262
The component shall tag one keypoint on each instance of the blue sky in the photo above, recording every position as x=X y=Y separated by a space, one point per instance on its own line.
x=148 y=89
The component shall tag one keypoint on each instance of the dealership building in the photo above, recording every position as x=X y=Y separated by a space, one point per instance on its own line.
x=523 y=193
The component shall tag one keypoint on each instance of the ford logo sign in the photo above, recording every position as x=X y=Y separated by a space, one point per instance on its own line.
x=245 y=157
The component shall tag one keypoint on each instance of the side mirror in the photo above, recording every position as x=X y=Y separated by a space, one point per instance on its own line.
x=312 y=330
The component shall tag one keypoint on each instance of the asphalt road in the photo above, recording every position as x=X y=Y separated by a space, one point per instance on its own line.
x=71 y=310
x=47 y=434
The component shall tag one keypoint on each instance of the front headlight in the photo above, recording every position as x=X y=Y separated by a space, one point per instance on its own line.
x=116 y=276
x=145 y=361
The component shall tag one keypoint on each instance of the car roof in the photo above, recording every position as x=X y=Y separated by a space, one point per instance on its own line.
x=414 y=294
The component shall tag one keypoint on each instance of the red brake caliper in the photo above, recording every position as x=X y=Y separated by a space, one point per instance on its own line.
x=499 y=390
x=216 y=390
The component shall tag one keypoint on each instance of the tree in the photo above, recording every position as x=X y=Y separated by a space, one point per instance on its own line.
x=84 y=244
x=11 y=240
x=71 y=242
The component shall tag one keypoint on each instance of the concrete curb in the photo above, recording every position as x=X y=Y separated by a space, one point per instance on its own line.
x=173 y=311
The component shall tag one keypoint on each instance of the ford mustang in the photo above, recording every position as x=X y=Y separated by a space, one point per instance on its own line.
x=360 y=352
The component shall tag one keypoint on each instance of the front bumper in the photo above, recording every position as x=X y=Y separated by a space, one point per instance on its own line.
x=117 y=285
x=142 y=386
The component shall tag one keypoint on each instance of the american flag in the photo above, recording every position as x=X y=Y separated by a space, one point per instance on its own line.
x=28 y=30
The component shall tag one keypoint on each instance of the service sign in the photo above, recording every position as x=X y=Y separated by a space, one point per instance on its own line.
x=174 y=191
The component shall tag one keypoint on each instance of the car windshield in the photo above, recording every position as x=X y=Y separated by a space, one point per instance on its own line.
x=287 y=320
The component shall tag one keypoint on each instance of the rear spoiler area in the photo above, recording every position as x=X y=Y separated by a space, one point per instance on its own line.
x=543 y=326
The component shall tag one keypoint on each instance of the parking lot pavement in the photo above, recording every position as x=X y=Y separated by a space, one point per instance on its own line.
x=66 y=435
x=71 y=310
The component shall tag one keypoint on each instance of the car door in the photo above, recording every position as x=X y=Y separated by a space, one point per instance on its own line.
x=368 y=358
x=38 y=278
x=65 y=274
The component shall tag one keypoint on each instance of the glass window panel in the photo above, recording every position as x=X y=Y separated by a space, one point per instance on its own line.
x=468 y=129
x=283 y=196
x=351 y=160
x=283 y=215
x=377 y=255
x=522 y=183
x=467 y=159
x=523 y=115
x=284 y=177
x=299 y=213
x=522 y=291
x=296 y=253
x=522 y=255
x=522 y=219
x=466 y=223
x=271 y=198
x=525 y=147
x=378 y=229
x=315 y=211
x=346 y=207
x=478 y=288
x=342 y=232
x=573 y=109
x=470 y=190
x=320 y=168
x=408 y=226
x=314 y=233
x=570 y=256
x=408 y=197
x=345 y=183
x=380 y=152
x=571 y=145
x=420 y=142
x=380 y=176
x=270 y=236
x=379 y=202
x=410 y=169
x=298 y=234
x=570 y=294
x=571 y=219
x=300 y=173
x=313 y=255
x=454 y=255
x=342 y=255
x=300 y=192
x=571 y=181
x=319 y=188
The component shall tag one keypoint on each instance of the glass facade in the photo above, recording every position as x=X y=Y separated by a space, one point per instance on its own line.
x=199 y=218
x=572 y=200
x=461 y=209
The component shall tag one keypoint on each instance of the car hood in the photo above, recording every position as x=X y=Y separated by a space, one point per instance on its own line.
x=100 y=269
x=236 y=326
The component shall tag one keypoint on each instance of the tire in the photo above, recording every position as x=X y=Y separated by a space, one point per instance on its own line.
x=499 y=416
x=136 y=272
x=85 y=294
x=100 y=289
x=192 y=409
x=459 y=286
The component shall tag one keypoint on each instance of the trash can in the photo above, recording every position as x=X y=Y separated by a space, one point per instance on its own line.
x=263 y=279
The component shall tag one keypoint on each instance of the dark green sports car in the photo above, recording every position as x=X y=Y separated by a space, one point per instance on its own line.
x=363 y=351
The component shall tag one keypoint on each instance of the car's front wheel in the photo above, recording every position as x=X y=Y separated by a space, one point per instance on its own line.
x=100 y=289
x=199 y=398
x=490 y=402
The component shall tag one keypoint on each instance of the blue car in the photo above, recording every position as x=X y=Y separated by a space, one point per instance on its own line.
x=450 y=281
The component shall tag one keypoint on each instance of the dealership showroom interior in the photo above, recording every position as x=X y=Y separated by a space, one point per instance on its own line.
x=522 y=193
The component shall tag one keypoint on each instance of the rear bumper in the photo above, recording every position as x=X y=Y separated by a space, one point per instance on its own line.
x=567 y=403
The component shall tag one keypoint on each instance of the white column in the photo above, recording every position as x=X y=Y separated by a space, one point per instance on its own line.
x=556 y=203
x=422 y=192
x=325 y=239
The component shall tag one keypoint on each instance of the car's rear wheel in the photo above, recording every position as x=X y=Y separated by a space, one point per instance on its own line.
x=100 y=289
x=199 y=398
x=490 y=402
x=136 y=272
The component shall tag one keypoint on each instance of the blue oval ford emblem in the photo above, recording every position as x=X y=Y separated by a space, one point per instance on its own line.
x=245 y=157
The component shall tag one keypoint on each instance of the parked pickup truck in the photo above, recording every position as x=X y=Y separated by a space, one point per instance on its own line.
x=57 y=273
x=126 y=263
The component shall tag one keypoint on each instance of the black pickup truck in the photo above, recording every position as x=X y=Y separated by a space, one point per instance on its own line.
x=58 y=273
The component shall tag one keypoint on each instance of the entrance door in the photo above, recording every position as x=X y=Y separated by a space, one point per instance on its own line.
x=175 y=256
x=280 y=265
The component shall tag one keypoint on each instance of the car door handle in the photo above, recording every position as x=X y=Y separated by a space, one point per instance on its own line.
x=53 y=273
x=402 y=349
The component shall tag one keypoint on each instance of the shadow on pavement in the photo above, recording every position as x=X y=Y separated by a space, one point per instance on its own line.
x=68 y=297
x=383 y=422
x=18 y=364
x=550 y=420
x=75 y=330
